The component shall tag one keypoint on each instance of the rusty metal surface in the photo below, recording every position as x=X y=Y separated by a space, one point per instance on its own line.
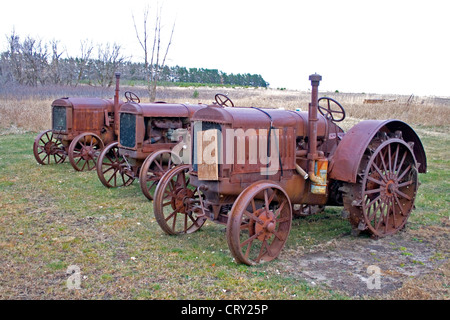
x=238 y=117
x=160 y=109
x=80 y=103
x=345 y=161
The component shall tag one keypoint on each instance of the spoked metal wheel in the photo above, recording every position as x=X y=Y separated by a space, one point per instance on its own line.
x=153 y=168
x=48 y=148
x=113 y=169
x=259 y=223
x=176 y=204
x=388 y=189
x=84 y=151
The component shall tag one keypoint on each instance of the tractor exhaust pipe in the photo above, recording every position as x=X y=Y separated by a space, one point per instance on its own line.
x=116 y=103
x=317 y=170
x=312 y=116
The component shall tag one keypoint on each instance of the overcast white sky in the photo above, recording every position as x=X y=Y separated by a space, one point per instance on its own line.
x=381 y=46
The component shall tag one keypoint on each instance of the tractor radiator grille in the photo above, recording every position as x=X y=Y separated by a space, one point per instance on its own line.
x=127 y=130
x=59 y=122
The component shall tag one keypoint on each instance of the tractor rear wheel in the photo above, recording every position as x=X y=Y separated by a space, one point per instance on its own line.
x=259 y=223
x=382 y=201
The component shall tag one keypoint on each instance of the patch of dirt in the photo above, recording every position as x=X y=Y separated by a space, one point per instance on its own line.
x=412 y=264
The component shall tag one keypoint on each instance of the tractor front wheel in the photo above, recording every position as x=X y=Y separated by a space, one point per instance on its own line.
x=113 y=169
x=48 y=148
x=177 y=205
x=84 y=151
x=153 y=168
x=259 y=223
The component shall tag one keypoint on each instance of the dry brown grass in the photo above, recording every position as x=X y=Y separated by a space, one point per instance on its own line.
x=28 y=114
x=33 y=112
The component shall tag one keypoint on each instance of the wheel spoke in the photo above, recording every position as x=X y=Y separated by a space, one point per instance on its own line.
x=377 y=169
x=397 y=151
x=382 y=157
x=404 y=184
x=399 y=204
x=404 y=172
x=403 y=195
x=82 y=168
x=401 y=163
x=277 y=213
x=113 y=175
x=262 y=251
x=371 y=191
x=109 y=169
x=381 y=183
x=250 y=239
x=376 y=205
x=381 y=216
x=253 y=217
x=393 y=213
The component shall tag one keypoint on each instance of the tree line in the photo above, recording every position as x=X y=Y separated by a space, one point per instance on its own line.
x=33 y=62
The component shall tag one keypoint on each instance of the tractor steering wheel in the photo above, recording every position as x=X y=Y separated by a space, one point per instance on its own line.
x=130 y=96
x=336 y=115
x=222 y=100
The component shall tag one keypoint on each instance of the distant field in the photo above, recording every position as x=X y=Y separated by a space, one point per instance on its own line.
x=29 y=108
x=53 y=219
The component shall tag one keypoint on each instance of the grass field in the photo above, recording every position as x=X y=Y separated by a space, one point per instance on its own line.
x=53 y=218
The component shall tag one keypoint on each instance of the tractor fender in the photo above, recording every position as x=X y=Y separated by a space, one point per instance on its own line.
x=345 y=161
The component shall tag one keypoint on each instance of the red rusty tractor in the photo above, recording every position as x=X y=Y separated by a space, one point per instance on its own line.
x=252 y=169
x=81 y=127
x=152 y=139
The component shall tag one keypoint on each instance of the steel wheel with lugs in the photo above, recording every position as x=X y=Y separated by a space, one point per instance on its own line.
x=387 y=191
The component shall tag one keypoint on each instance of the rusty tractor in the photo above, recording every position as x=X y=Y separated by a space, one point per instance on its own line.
x=253 y=169
x=81 y=127
x=152 y=139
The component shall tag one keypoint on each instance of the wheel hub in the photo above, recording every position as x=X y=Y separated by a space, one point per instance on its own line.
x=50 y=147
x=181 y=199
x=267 y=227
x=87 y=152
x=390 y=188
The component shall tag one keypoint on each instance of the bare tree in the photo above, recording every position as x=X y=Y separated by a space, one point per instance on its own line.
x=55 y=72
x=14 y=56
x=35 y=55
x=82 y=63
x=109 y=60
x=157 y=62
